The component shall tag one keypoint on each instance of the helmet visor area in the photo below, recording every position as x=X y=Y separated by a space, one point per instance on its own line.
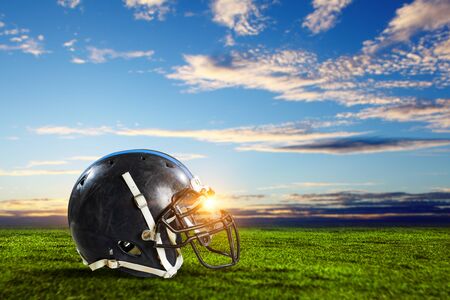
x=211 y=232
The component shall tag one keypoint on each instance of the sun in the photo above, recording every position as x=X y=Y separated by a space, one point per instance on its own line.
x=209 y=204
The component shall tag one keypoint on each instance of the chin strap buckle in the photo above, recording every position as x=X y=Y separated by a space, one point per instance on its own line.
x=140 y=201
x=112 y=264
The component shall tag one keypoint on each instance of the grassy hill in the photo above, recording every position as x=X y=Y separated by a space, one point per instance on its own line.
x=275 y=263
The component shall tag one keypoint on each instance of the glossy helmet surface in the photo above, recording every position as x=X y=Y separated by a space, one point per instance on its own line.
x=133 y=210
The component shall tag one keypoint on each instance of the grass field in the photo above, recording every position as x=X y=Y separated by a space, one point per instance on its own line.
x=279 y=263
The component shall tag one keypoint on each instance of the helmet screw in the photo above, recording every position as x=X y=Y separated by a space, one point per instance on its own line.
x=147 y=235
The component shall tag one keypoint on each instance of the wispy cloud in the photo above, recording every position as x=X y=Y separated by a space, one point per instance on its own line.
x=365 y=78
x=78 y=61
x=249 y=70
x=84 y=158
x=351 y=146
x=188 y=156
x=102 y=55
x=288 y=137
x=148 y=9
x=442 y=49
x=69 y=3
x=32 y=172
x=81 y=52
x=286 y=133
x=351 y=205
x=286 y=73
x=435 y=113
x=325 y=14
x=36 y=163
x=229 y=40
x=70 y=45
x=244 y=197
x=406 y=84
x=33 y=207
x=420 y=15
x=442 y=189
x=296 y=75
x=267 y=133
x=19 y=39
x=29 y=170
x=305 y=185
x=242 y=16
x=69 y=131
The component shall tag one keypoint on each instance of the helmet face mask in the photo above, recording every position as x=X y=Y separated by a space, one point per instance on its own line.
x=201 y=223
x=134 y=211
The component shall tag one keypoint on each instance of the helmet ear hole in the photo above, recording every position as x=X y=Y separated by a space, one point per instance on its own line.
x=129 y=248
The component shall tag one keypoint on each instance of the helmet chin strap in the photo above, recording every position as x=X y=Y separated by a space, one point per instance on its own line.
x=141 y=203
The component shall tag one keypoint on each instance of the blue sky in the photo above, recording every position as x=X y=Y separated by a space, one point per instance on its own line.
x=264 y=100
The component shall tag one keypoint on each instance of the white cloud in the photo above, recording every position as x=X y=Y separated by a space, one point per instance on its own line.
x=70 y=45
x=148 y=9
x=84 y=158
x=102 y=55
x=442 y=49
x=296 y=185
x=298 y=75
x=242 y=16
x=286 y=133
x=269 y=133
x=389 y=84
x=229 y=41
x=420 y=15
x=33 y=47
x=21 y=41
x=69 y=3
x=205 y=73
x=442 y=189
x=435 y=113
x=29 y=46
x=325 y=14
x=77 y=60
x=14 y=31
x=288 y=137
x=35 y=163
x=68 y=131
x=2 y=24
x=188 y=156
x=22 y=173
x=293 y=75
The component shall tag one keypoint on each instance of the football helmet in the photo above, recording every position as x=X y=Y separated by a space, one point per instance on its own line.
x=134 y=211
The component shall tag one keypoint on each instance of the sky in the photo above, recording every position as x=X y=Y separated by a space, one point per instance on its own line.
x=289 y=109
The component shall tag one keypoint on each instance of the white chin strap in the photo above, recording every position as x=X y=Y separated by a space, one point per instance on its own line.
x=169 y=270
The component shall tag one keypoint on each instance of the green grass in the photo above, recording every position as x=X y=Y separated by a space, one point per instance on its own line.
x=348 y=263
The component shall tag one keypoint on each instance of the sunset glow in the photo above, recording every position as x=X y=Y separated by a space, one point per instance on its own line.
x=289 y=109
